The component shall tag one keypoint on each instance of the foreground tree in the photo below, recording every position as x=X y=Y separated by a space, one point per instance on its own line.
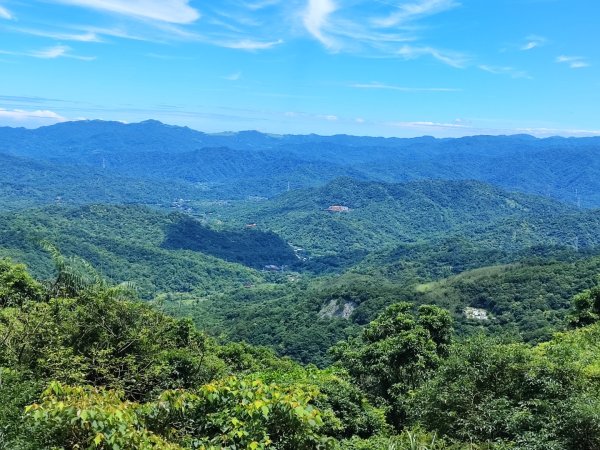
x=396 y=353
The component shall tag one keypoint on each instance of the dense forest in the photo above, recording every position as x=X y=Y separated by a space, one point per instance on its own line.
x=166 y=288
x=84 y=365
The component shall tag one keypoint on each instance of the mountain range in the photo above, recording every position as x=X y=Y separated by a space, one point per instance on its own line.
x=250 y=163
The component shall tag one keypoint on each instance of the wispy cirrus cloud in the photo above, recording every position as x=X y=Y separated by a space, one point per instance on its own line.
x=369 y=28
x=411 y=11
x=388 y=87
x=574 y=62
x=86 y=36
x=316 y=20
x=504 y=70
x=250 y=45
x=121 y=32
x=379 y=27
x=172 y=11
x=57 y=51
x=454 y=59
x=5 y=13
x=428 y=125
x=533 y=41
x=230 y=24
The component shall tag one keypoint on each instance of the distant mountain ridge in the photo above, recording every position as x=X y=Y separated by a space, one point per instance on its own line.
x=247 y=163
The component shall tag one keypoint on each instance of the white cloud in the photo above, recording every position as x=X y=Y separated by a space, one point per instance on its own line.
x=426 y=125
x=533 y=42
x=5 y=13
x=172 y=11
x=117 y=32
x=304 y=115
x=354 y=27
x=453 y=59
x=376 y=85
x=411 y=11
x=58 y=51
x=51 y=52
x=20 y=117
x=504 y=70
x=86 y=36
x=546 y=132
x=579 y=65
x=316 y=18
x=250 y=45
x=574 y=62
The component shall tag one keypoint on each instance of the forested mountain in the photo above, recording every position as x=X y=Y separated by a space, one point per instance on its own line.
x=383 y=215
x=427 y=241
x=235 y=165
x=404 y=272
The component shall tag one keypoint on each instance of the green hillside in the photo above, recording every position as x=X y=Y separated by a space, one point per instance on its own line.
x=128 y=243
x=382 y=216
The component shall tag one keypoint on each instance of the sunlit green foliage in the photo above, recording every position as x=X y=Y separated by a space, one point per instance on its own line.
x=84 y=365
x=16 y=285
x=586 y=307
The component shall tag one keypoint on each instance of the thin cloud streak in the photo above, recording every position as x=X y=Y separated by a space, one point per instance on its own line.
x=456 y=60
x=412 y=11
x=86 y=36
x=5 y=13
x=504 y=70
x=250 y=45
x=58 y=51
x=574 y=62
x=382 y=86
x=426 y=125
x=172 y=11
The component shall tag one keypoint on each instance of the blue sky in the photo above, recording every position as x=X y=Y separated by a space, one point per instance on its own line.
x=376 y=67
